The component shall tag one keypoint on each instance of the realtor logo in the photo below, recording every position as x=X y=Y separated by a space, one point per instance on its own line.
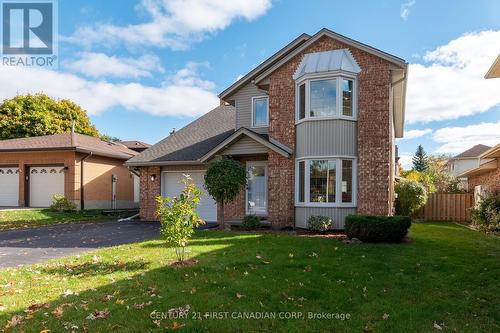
x=29 y=33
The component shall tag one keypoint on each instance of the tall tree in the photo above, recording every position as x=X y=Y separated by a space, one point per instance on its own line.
x=35 y=115
x=420 y=160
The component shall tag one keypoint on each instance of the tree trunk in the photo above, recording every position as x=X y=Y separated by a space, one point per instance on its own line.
x=222 y=222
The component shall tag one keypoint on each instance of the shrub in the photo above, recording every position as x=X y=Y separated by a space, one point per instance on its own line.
x=377 y=228
x=411 y=196
x=251 y=222
x=62 y=204
x=486 y=216
x=319 y=223
x=178 y=217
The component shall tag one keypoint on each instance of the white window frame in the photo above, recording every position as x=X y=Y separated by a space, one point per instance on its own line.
x=253 y=111
x=338 y=76
x=338 y=176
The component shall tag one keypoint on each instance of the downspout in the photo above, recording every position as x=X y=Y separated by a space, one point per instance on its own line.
x=82 y=200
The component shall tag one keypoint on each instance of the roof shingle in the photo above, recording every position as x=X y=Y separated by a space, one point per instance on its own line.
x=473 y=152
x=192 y=141
x=68 y=141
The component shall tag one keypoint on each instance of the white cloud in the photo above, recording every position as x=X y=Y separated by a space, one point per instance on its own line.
x=452 y=84
x=183 y=94
x=406 y=9
x=173 y=23
x=101 y=65
x=406 y=159
x=412 y=134
x=458 y=139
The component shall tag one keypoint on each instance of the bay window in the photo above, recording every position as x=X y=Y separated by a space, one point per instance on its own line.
x=326 y=182
x=326 y=98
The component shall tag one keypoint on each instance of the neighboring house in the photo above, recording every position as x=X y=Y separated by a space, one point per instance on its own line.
x=33 y=169
x=315 y=125
x=494 y=71
x=137 y=146
x=487 y=172
x=467 y=160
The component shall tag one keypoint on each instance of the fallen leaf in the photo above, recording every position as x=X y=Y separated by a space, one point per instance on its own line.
x=258 y=257
x=45 y=331
x=308 y=268
x=438 y=327
x=68 y=292
x=35 y=307
x=14 y=321
x=58 y=311
x=175 y=325
x=290 y=255
x=120 y=301
x=238 y=295
x=385 y=316
x=102 y=314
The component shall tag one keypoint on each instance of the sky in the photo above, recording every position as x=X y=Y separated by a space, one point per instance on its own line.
x=141 y=68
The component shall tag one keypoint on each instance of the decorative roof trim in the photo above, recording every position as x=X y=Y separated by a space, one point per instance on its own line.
x=340 y=60
x=280 y=149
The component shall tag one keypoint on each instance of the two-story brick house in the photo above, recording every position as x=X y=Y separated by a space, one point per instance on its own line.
x=315 y=125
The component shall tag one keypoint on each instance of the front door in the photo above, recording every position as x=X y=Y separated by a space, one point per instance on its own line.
x=256 y=194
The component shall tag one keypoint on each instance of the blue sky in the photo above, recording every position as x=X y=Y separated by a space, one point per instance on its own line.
x=141 y=68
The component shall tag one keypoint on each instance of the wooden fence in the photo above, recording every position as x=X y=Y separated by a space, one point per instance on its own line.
x=447 y=207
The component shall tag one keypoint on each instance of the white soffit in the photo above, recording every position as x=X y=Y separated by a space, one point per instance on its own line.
x=328 y=61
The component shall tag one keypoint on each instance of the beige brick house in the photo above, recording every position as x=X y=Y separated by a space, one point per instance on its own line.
x=87 y=170
x=315 y=126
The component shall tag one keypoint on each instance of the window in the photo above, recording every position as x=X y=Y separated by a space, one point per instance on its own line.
x=347 y=89
x=302 y=101
x=302 y=173
x=326 y=98
x=260 y=111
x=323 y=98
x=319 y=181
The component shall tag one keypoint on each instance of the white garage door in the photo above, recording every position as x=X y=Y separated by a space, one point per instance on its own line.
x=9 y=187
x=44 y=183
x=172 y=186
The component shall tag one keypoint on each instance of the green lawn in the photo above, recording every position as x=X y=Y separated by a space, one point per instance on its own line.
x=28 y=218
x=447 y=275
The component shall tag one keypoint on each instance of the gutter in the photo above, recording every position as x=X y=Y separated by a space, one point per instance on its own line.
x=82 y=200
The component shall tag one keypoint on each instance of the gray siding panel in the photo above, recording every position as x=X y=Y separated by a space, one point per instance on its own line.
x=326 y=138
x=243 y=103
x=245 y=145
x=337 y=214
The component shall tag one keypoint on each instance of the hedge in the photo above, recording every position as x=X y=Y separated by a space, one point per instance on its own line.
x=377 y=228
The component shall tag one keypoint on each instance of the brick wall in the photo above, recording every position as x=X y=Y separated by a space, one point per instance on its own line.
x=149 y=191
x=491 y=178
x=374 y=137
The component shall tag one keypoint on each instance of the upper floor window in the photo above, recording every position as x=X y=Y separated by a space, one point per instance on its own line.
x=260 y=111
x=326 y=98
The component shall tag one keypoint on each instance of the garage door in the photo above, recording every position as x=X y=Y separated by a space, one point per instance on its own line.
x=172 y=186
x=9 y=187
x=44 y=183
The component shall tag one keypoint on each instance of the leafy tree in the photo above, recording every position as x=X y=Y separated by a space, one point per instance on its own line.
x=224 y=180
x=35 y=115
x=178 y=217
x=420 y=159
x=411 y=196
x=110 y=138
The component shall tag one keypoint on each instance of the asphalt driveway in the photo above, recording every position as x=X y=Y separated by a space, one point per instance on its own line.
x=29 y=246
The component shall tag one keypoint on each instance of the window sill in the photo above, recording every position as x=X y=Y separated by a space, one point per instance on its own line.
x=263 y=126
x=326 y=118
x=325 y=205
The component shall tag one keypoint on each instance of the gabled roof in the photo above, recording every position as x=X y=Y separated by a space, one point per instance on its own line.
x=260 y=138
x=492 y=152
x=328 y=61
x=473 y=152
x=264 y=65
x=401 y=63
x=135 y=144
x=68 y=141
x=494 y=71
x=190 y=143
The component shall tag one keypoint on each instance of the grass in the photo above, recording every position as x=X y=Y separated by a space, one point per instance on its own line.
x=446 y=276
x=29 y=218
